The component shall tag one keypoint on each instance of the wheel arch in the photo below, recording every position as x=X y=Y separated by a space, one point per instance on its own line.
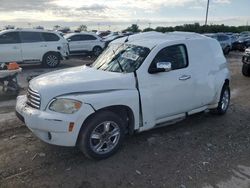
x=123 y=111
x=48 y=52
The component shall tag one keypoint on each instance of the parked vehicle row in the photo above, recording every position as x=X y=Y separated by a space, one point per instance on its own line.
x=232 y=41
x=224 y=40
x=32 y=46
x=241 y=44
x=138 y=83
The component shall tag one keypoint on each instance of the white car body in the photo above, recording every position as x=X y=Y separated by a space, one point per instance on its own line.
x=83 y=42
x=152 y=100
x=30 y=51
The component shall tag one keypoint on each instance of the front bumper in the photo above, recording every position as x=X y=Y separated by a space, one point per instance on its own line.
x=52 y=127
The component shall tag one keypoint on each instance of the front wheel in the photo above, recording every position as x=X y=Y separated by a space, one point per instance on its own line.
x=102 y=135
x=224 y=101
x=246 y=70
x=51 y=60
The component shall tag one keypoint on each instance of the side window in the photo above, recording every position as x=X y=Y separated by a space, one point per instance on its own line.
x=90 y=37
x=30 y=37
x=75 y=38
x=176 y=55
x=50 y=37
x=10 y=38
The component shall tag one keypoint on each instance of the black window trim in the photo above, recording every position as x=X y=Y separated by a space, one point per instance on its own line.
x=19 y=37
x=77 y=35
x=88 y=35
x=40 y=34
x=186 y=53
x=93 y=37
x=44 y=40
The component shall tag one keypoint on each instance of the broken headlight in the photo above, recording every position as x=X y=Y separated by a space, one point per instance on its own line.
x=66 y=106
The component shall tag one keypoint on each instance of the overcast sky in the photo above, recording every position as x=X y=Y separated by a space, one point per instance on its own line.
x=119 y=14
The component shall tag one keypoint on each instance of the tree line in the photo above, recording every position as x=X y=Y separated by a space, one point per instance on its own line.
x=196 y=27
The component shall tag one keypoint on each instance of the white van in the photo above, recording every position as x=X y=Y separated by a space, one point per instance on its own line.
x=138 y=83
x=32 y=46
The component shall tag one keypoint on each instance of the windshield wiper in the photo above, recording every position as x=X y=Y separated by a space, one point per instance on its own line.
x=119 y=63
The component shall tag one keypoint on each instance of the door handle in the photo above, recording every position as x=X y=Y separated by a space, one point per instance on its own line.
x=43 y=45
x=185 y=77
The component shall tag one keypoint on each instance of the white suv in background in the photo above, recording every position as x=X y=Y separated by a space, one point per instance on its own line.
x=80 y=43
x=32 y=46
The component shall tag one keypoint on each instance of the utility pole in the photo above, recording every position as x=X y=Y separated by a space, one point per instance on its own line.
x=207 y=12
x=149 y=25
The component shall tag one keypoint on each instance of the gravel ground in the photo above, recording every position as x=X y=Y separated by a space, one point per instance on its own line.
x=202 y=151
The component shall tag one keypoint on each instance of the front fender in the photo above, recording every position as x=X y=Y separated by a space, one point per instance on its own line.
x=129 y=98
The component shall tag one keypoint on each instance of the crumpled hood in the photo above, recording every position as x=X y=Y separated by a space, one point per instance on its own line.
x=79 y=80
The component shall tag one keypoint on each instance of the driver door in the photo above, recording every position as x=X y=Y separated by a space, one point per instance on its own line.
x=168 y=93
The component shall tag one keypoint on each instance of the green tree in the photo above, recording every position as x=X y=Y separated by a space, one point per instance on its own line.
x=56 y=27
x=148 y=29
x=133 y=28
x=82 y=28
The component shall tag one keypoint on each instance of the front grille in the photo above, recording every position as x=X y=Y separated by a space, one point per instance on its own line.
x=33 y=99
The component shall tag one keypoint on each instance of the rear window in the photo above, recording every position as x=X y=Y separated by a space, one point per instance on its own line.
x=30 y=37
x=88 y=37
x=50 y=37
x=9 y=38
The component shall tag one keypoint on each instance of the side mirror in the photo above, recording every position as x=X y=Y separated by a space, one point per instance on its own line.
x=161 y=67
x=69 y=40
x=164 y=65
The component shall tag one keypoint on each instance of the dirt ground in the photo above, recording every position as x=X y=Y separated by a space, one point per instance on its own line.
x=202 y=151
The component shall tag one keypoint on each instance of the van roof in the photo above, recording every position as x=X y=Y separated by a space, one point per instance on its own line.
x=152 y=39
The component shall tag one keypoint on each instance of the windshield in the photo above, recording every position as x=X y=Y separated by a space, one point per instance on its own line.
x=121 y=58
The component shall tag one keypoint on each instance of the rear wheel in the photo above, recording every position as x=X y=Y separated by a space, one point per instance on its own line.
x=102 y=135
x=97 y=51
x=246 y=70
x=51 y=60
x=224 y=101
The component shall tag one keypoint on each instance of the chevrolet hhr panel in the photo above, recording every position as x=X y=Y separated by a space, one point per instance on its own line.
x=138 y=83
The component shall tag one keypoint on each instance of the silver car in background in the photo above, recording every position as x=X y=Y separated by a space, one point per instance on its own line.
x=224 y=40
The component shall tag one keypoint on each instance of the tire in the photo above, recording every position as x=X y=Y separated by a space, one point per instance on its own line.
x=95 y=141
x=246 y=70
x=97 y=50
x=51 y=60
x=224 y=101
